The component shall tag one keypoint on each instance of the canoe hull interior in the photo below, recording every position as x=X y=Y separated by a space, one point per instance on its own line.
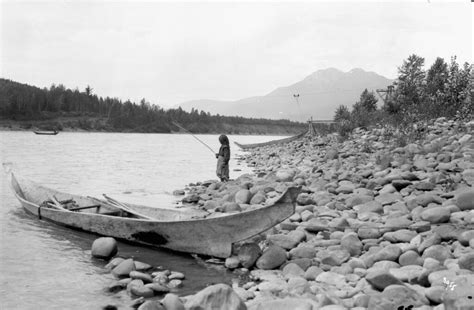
x=207 y=236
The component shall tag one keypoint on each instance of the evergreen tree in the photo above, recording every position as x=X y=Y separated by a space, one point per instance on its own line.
x=410 y=82
x=368 y=101
x=342 y=114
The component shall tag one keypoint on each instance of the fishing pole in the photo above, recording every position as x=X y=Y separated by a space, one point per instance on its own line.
x=177 y=124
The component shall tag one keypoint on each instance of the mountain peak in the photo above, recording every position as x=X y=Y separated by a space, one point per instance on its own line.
x=357 y=70
x=320 y=94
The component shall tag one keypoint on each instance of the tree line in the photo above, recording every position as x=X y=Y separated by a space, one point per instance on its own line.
x=417 y=95
x=24 y=102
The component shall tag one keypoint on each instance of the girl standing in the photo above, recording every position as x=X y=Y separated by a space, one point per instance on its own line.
x=223 y=158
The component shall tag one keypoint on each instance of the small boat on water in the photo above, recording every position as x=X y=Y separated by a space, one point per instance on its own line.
x=46 y=132
x=185 y=231
x=272 y=142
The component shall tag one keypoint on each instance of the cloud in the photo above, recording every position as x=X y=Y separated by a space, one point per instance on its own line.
x=171 y=52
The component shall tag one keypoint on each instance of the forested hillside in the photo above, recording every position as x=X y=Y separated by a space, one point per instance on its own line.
x=59 y=108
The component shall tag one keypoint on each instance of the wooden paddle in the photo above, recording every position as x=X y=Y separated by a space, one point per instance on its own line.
x=125 y=208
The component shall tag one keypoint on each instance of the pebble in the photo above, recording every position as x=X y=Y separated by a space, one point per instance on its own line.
x=124 y=268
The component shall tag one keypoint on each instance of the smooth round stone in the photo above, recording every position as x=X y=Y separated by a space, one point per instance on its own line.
x=219 y=296
x=172 y=302
x=292 y=270
x=140 y=266
x=142 y=291
x=232 y=262
x=438 y=252
x=436 y=215
x=118 y=285
x=407 y=273
x=298 y=285
x=114 y=262
x=429 y=241
x=466 y=261
x=336 y=257
x=312 y=273
x=134 y=283
x=146 y=278
x=431 y=263
x=380 y=279
x=403 y=235
x=175 y=283
x=248 y=254
x=438 y=277
x=351 y=243
x=124 y=268
x=158 y=288
x=435 y=293
x=243 y=196
x=151 y=305
x=368 y=233
x=303 y=251
x=465 y=200
x=176 y=275
x=104 y=247
x=229 y=207
x=465 y=237
x=410 y=258
x=272 y=258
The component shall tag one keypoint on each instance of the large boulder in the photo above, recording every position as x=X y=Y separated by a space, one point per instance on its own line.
x=273 y=257
x=219 y=296
x=248 y=254
x=104 y=247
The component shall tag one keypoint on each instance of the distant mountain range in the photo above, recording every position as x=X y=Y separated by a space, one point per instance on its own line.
x=319 y=95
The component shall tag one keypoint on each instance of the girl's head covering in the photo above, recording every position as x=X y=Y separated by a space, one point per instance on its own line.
x=224 y=140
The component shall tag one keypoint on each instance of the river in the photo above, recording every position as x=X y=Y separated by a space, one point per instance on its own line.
x=45 y=266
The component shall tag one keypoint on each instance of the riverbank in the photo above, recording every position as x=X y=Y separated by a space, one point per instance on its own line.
x=101 y=124
x=378 y=224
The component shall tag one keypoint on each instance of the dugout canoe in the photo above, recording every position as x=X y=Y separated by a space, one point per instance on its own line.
x=272 y=142
x=183 y=231
x=51 y=133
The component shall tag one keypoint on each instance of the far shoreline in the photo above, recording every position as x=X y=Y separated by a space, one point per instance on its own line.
x=80 y=130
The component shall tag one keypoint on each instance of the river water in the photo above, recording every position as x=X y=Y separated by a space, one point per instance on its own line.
x=45 y=266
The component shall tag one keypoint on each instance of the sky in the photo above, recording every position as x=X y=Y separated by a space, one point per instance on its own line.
x=171 y=52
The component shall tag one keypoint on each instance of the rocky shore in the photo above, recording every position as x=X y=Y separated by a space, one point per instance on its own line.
x=378 y=224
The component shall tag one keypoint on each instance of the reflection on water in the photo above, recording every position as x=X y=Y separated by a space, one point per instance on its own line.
x=43 y=265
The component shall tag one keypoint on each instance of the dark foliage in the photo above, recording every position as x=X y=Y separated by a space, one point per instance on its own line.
x=443 y=91
x=23 y=102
